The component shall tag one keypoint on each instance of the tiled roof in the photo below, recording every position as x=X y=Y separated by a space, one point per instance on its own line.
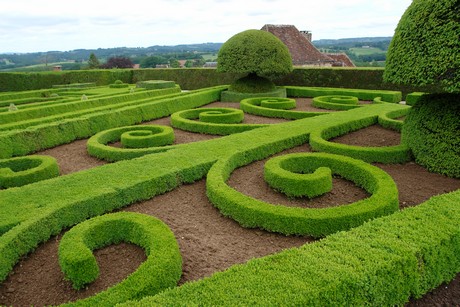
x=302 y=50
x=341 y=59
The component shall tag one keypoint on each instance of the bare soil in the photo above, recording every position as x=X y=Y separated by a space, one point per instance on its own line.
x=208 y=241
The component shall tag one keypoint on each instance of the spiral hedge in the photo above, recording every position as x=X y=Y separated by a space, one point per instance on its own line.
x=377 y=263
x=336 y=102
x=16 y=172
x=161 y=270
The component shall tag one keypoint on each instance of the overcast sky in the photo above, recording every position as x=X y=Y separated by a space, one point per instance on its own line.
x=45 y=25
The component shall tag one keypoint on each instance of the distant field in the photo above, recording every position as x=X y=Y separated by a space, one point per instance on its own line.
x=366 y=51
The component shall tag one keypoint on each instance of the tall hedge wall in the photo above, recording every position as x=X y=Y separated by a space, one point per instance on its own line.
x=194 y=78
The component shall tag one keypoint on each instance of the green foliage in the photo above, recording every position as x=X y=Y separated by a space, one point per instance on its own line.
x=93 y=62
x=221 y=116
x=298 y=175
x=336 y=102
x=426 y=44
x=384 y=262
x=251 y=213
x=280 y=104
x=412 y=98
x=254 y=51
x=147 y=136
x=232 y=96
x=118 y=84
x=254 y=106
x=155 y=84
x=431 y=130
x=161 y=270
x=16 y=172
x=252 y=84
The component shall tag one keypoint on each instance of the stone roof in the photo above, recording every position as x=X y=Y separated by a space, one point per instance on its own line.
x=303 y=52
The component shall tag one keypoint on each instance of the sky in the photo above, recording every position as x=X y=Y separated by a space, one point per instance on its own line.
x=59 y=25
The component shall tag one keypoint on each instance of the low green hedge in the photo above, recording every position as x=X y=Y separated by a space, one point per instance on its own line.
x=143 y=136
x=385 y=154
x=75 y=85
x=280 y=103
x=187 y=120
x=388 y=120
x=254 y=106
x=58 y=130
x=362 y=94
x=336 y=102
x=155 y=84
x=161 y=270
x=298 y=175
x=384 y=262
x=16 y=172
x=250 y=212
x=412 y=98
x=233 y=96
x=221 y=116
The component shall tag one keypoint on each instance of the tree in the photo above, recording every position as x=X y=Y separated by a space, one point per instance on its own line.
x=258 y=54
x=118 y=62
x=93 y=62
x=173 y=63
x=152 y=61
x=425 y=50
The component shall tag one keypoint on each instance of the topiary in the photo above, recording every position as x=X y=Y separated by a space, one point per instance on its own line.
x=257 y=54
x=425 y=51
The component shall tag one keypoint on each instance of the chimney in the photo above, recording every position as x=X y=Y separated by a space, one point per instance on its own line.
x=306 y=34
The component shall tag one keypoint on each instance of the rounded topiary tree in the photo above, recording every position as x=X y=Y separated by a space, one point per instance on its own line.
x=257 y=54
x=425 y=50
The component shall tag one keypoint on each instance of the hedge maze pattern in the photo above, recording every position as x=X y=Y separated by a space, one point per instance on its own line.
x=377 y=263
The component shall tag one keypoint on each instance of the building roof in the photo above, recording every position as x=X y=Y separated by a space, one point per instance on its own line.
x=341 y=59
x=302 y=50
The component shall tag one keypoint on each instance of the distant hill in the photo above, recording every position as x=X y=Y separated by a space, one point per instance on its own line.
x=346 y=43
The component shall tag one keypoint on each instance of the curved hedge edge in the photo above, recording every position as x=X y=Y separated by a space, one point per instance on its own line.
x=362 y=94
x=97 y=145
x=294 y=179
x=252 y=106
x=232 y=96
x=221 y=116
x=251 y=213
x=16 y=172
x=327 y=102
x=386 y=120
x=161 y=270
x=385 y=154
x=62 y=131
x=186 y=120
x=381 y=263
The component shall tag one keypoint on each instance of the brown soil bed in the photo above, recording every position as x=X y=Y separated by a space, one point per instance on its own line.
x=208 y=241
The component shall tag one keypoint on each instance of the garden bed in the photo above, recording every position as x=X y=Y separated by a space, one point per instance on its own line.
x=208 y=241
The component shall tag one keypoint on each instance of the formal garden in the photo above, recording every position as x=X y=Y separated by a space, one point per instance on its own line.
x=245 y=185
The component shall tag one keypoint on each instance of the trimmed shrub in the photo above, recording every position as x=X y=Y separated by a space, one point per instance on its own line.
x=147 y=136
x=250 y=212
x=75 y=85
x=220 y=124
x=232 y=96
x=16 y=172
x=298 y=176
x=155 y=84
x=282 y=104
x=119 y=84
x=336 y=102
x=412 y=98
x=431 y=130
x=254 y=106
x=161 y=270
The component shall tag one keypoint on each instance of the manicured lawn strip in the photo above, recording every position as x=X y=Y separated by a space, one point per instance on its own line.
x=13 y=118
x=300 y=91
x=381 y=263
x=61 y=131
x=161 y=270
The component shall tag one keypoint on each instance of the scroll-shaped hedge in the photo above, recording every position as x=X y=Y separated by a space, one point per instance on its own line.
x=256 y=106
x=252 y=213
x=139 y=140
x=298 y=176
x=336 y=102
x=161 y=270
x=221 y=123
x=15 y=172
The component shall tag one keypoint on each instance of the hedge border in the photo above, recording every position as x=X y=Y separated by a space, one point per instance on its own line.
x=186 y=120
x=251 y=213
x=336 y=102
x=161 y=270
x=143 y=136
x=298 y=176
x=222 y=116
x=232 y=96
x=16 y=172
